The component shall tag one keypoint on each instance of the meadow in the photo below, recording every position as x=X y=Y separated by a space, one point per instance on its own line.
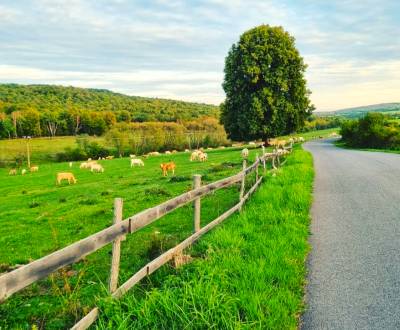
x=37 y=217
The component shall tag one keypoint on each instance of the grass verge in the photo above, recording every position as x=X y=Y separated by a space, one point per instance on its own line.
x=343 y=145
x=247 y=273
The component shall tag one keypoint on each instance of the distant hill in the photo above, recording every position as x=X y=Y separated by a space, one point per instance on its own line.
x=357 y=112
x=15 y=97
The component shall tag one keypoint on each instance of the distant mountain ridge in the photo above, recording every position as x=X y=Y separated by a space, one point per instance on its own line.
x=356 y=112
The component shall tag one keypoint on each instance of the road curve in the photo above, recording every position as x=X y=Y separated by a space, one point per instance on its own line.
x=354 y=265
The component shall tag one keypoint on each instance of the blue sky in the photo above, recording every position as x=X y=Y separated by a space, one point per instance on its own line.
x=176 y=49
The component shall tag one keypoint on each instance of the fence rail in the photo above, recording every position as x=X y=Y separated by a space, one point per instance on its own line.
x=20 y=278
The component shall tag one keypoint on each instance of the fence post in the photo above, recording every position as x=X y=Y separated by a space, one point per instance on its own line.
x=263 y=160
x=258 y=164
x=196 y=204
x=116 y=248
x=274 y=158
x=243 y=183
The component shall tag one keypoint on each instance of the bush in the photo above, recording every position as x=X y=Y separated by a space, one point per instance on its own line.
x=375 y=130
x=71 y=154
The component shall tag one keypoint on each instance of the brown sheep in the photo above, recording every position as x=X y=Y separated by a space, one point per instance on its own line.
x=165 y=167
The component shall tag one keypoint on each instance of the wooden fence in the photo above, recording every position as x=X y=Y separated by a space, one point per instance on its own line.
x=20 y=278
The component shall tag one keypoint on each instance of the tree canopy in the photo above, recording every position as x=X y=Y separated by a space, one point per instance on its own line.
x=266 y=93
x=47 y=110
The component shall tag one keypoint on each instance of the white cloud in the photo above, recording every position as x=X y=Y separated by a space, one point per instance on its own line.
x=176 y=49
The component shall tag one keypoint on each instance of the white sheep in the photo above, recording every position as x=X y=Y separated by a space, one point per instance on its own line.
x=23 y=171
x=168 y=152
x=245 y=153
x=132 y=156
x=96 y=168
x=136 y=161
x=195 y=155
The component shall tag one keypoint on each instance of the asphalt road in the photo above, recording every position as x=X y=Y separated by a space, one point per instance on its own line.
x=354 y=265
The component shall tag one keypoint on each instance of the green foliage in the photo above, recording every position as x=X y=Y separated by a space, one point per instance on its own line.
x=46 y=110
x=265 y=88
x=315 y=123
x=140 y=138
x=375 y=130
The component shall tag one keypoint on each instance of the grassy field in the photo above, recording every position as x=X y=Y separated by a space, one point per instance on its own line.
x=42 y=149
x=37 y=218
x=247 y=274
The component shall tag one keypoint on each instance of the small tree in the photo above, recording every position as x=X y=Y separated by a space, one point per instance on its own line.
x=265 y=88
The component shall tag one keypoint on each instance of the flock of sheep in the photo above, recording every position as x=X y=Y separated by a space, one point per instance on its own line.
x=196 y=155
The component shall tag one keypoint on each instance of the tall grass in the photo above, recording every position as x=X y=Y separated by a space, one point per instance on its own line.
x=247 y=273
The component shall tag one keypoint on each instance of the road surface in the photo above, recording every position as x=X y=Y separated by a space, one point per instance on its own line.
x=354 y=265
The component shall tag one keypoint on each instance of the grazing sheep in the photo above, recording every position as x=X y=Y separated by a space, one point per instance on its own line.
x=187 y=150
x=87 y=164
x=174 y=151
x=110 y=157
x=65 y=176
x=209 y=148
x=165 y=167
x=245 y=153
x=301 y=139
x=89 y=159
x=168 y=152
x=195 y=155
x=12 y=171
x=23 y=171
x=97 y=168
x=277 y=143
x=252 y=143
x=136 y=161
x=154 y=153
x=132 y=156
x=34 y=168
x=203 y=157
x=222 y=147
x=70 y=164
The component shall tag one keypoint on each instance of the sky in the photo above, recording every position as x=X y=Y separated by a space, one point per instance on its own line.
x=176 y=49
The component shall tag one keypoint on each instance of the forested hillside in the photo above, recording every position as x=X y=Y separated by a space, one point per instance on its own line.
x=47 y=110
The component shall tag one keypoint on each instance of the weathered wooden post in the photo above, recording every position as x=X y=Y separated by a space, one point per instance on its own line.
x=243 y=183
x=116 y=248
x=258 y=164
x=263 y=160
x=273 y=159
x=196 y=204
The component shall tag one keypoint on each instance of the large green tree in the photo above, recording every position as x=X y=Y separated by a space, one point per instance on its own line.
x=266 y=93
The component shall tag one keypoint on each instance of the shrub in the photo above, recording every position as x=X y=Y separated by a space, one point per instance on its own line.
x=71 y=154
x=375 y=130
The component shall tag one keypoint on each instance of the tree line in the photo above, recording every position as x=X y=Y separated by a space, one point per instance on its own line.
x=47 y=110
x=140 y=138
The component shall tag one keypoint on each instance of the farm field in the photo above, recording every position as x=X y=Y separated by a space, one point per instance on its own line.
x=247 y=274
x=37 y=218
x=42 y=149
